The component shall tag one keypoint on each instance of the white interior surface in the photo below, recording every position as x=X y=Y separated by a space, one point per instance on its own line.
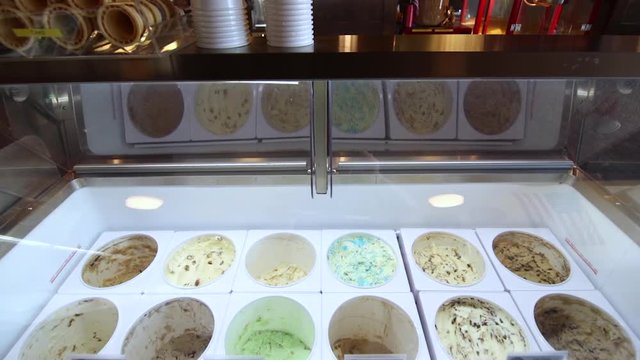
x=420 y=281
x=577 y=280
x=312 y=303
x=76 y=285
x=311 y=283
x=526 y=302
x=330 y=281
x=430 y=302
x=130 y=308
x=29 y=270
x=331 y=303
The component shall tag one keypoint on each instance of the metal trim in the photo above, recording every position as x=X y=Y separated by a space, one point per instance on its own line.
x=320 y=137
x=353 y=56
x=123 y=166
x=448 y=163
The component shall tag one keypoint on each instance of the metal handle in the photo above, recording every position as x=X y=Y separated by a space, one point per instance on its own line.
x=320 y=171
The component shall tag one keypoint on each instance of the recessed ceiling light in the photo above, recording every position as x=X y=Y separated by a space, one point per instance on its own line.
x=140 y=202
x=446 y=200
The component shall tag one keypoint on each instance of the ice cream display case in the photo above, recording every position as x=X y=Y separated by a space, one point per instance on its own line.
x=298 y=218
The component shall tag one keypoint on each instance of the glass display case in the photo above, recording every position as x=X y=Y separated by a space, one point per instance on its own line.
x=319 y=212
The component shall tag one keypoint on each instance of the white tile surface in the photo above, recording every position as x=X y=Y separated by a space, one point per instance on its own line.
x=577 y=279
x=421 y=281
x=331 y=283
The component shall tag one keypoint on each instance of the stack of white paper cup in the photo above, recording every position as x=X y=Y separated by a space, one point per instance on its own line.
x=289 y=23
x=220 y=24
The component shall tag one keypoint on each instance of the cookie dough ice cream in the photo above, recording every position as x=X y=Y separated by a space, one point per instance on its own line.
x=283 y=274
x=422 y=107
x=349 y=346
x=492 y=107
x=576 y=325
x=83 y=327
x=223 y=108
x=362 y=260
x=200 y=261
x=155 y=110
x=356 y=105
x=287 y=107
x=531 y=258
x=273 y=327
x=471 y=328
x=448 y=258
x=119 y=261
x=177 y=329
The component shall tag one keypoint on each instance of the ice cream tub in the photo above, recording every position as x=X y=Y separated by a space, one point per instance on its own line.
x=274 y=326
x=371 y=323
x=447 y=259
x=154 y=113
x=467 y=325
x=492 y=109
x=582 y=322
x=284 y=110
x=531 y=259
x=221 y=111
x=362 y=260
x=357 y=109
x=280 y=260
x=154 y=314
x=201 y=262
x=422 y=109
x=69 y=324
x=118 y=263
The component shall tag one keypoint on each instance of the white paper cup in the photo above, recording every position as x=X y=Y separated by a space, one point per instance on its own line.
x=85 y=325
x=374 y=325
x=290 y=14
x=269 y=314
x=206 y=22
x=220 y=14
x=216 y=32
x=286 y=2
x=288 y=7
x=217 y=4
x=297 y=43
x=177 y=328
x=283 y=249
x=308 y=18
x=206 y=44
x=305 y=22
x=289 y=32
x=238 y=39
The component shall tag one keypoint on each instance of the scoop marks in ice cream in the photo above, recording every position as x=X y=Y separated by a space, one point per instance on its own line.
x=283 y=274
x=83 y=327
x=155 y=110
x=119 y=261
x=362 y=260
x=223 y=108
x=287 y=107
x=471 y=328
x=422 y=107
x=492 y=107
x=356 y=105
x=531 y=258
x=588 y=333
x=448 y=258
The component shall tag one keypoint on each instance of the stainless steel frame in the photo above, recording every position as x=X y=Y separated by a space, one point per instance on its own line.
x=350 y=56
